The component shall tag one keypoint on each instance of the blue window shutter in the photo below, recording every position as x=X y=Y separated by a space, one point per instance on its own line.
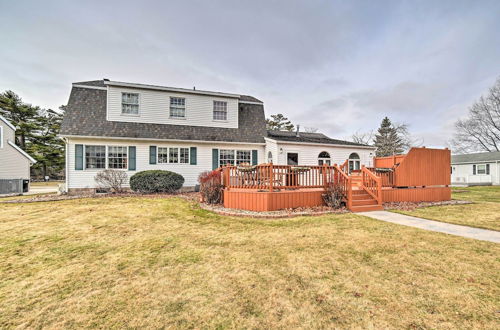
x=255 y=159
x=131 y=158
x=192 y=155
x=78 y=157
x=215 y=159
x=487 y=168
x=152 y=154
x=474 y=169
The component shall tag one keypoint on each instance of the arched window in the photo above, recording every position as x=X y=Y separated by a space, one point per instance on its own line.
x=324 y=158
x=354 y=156
x=269 y=157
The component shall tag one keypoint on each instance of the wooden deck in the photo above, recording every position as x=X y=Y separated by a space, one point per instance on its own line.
x=421 y=175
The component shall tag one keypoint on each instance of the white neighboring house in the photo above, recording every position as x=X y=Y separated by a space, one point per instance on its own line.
x=136 y=127
x=476 y=169
x=14 y=162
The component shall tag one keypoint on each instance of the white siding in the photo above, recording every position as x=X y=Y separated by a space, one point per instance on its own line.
x=308 y=154
x=463 y=174
x=13 y=165
x=154 y=107
x=85 y=178
x=272 y=147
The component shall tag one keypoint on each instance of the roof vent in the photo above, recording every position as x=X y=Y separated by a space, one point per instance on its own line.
x=297 y=133
x=194 y=88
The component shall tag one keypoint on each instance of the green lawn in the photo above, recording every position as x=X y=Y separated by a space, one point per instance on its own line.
x=483 y=213
x=145 y=262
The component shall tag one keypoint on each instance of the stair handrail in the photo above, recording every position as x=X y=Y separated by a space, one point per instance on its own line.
x=371 y=182
x=347 y=188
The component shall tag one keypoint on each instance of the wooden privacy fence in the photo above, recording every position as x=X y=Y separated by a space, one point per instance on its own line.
x=421 y=167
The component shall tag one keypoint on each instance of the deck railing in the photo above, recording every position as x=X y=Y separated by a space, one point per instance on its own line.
x=345 y=183
x=270 y=176
x=372 y=184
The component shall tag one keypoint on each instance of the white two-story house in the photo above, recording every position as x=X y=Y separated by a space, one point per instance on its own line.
x=136 y=127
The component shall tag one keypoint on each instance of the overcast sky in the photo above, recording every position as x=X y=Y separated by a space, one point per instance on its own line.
x=337 y=66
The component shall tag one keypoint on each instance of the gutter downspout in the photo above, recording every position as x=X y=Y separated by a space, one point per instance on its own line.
x=66 y=165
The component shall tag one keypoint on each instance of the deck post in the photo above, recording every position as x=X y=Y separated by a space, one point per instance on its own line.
x=325 y=167
x=379 y=190
x=271 y=178
x=349 y=193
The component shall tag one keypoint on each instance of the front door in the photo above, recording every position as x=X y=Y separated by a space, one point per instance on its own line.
x=292 y=158
x=354 y=165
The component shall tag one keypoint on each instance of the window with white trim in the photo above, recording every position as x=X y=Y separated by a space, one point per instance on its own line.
x=184 y=156
x=130 y=103
x=173 y=155
x=243 y=157
x=177 y=107
x=234 y=157
x=226 y=157
x=481 y=169
x=95 y=157
x=117 y=157
x=162 y=155
x=220 y=110
x=324 y=158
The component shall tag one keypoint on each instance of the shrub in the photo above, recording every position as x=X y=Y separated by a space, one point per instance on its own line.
x=111 y=179
x=211 y=186
x=334 y=197
x=156 y=181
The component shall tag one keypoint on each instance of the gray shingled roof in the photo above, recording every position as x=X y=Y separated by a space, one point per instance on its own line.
x=287 y=136
x=477 y=157
x=86 y=116
x=100 y=83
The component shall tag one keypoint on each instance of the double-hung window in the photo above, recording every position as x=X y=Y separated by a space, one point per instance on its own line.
x=234 y=157
x=220 y=110
x=173 y=155
x=226 y=157
x=95 y=157
x=481 y=169
x=117 y=157
x=130 y=103
x=162 y=155
x=177 y=107
x=184 y=156
x=243 y=157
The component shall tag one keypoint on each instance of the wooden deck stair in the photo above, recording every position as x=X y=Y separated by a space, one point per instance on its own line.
x=361 y=200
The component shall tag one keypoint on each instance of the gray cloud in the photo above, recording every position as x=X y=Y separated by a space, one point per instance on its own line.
x=335 y=65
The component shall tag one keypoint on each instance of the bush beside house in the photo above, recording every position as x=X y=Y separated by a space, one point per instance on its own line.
x=211 y=186
x=156 y=181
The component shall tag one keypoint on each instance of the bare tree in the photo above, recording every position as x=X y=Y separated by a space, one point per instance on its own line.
x=310 y=129
x=362 y=137
x=480 y=131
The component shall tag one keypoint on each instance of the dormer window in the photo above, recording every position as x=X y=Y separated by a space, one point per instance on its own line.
x=130 y=103
x=177 y=107
x=220 y=110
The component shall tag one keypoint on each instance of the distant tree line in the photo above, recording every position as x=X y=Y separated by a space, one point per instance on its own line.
x=37 y=132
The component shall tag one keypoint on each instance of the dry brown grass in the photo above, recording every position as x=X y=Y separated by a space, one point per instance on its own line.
x=138 y=262
x=483 y=213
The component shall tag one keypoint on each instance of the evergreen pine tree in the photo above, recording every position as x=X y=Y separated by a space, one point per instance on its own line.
x=279 y=123
x=388 y=140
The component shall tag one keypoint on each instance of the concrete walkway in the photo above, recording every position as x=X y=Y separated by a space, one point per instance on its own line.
x=442 y=227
